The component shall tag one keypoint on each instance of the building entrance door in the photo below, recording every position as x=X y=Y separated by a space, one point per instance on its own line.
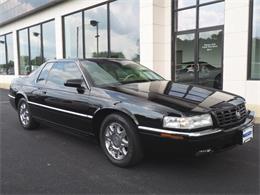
x=199 y=58
x=198 y=43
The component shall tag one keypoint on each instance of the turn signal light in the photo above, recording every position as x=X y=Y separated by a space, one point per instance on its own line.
x=165 y=135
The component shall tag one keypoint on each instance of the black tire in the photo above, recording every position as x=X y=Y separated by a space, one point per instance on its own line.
x=134 y=148
x=30 y=124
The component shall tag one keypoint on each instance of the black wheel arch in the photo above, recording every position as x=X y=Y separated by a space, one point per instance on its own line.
x=18 y=96
x=102 y=113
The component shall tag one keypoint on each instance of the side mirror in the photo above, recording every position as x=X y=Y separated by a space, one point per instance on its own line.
x=76 y=83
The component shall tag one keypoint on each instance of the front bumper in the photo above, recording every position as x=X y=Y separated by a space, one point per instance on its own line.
x=12 y=101
x=206 y=140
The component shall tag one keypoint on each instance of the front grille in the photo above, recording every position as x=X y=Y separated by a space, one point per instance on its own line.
x=233 y=116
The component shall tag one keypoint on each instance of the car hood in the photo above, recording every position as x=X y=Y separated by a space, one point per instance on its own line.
x=183 y=97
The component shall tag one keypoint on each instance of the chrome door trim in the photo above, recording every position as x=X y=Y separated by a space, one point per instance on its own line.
x=61 y=110
x=11 y=96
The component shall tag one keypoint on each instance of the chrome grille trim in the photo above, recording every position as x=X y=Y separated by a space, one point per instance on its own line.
x=231 y=116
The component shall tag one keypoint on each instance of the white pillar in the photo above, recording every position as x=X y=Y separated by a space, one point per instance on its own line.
x=236 y=46
x=155 y=35
x=15 y=52
x=146 y=33
x=58 y=35
x=162 y=37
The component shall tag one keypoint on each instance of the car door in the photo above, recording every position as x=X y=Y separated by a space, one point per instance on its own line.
x=67 y=106
x=38 y=93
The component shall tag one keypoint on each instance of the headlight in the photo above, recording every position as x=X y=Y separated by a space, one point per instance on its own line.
x=194 y=122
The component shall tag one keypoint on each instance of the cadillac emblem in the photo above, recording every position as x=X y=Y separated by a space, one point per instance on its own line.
x=238 y=115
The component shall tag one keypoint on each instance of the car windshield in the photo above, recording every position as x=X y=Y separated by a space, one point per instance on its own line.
x=104 y=72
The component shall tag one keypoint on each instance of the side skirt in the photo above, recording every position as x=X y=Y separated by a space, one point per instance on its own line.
x=65 y=128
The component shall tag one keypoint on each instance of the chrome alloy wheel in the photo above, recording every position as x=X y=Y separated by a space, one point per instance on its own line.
x=116 y=141
x=24 y=114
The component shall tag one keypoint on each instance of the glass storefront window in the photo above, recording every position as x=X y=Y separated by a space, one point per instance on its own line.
x=24 y=52
x=119 y=40
x=6 y=55
x=10 y=54
x=211 y=15
x=48 y=33
x=187 y=19
x=186 y=3
x=199 y=42
x=96 y=44
x=210 y=58
x=36 y=47
x=2 y=55
x=185 y=48
x=254 y=68
x=185 y=45
x=73 y=36
x=125 y=32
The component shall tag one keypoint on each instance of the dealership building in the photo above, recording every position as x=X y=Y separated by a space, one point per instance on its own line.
x=214 y=43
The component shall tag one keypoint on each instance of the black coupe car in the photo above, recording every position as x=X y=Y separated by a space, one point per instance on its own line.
x=121 y=102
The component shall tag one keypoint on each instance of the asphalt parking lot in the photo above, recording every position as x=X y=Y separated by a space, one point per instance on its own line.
x=50 y=161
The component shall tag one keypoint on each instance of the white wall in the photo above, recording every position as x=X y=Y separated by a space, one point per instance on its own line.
x=236 y=53
x=155 y=35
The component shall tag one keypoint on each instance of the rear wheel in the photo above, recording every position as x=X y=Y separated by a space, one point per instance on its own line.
x=119 y=141
x=25 y=116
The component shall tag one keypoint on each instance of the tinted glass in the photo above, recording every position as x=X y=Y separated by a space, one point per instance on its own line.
x=10 y=54
x=6 y=55
x=198 y=55
x=73 y=36
x=42 y=46
x=210 y=56
x=212 y=15
x=96 y=32
x=44 y=73
x=185 y=65
x=255 y=58
x=49 y=46
x=61 y=72
x=24 y=67
x=187 y=19
x=186 y=3
x=35 y=43
x=125 y=32
x=109 y=72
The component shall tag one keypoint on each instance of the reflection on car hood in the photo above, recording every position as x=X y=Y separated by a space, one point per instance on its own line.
x=182 y=97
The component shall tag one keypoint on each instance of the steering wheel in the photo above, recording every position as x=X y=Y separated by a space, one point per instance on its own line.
x=128 y=76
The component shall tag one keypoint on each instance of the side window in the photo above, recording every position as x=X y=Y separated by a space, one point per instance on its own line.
x=61 y=72
x=44 y=73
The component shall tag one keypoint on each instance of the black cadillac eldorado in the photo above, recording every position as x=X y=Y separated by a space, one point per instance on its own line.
x=120 y=102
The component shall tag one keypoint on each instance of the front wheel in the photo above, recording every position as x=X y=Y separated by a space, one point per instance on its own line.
x=119 y=141
x=25 y=116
